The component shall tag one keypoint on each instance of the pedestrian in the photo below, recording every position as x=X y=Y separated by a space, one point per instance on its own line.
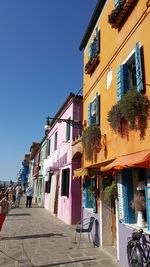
x=4 y=205
x=18 y=195
x=29 y=194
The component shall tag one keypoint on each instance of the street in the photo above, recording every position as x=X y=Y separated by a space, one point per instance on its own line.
x=33 y=237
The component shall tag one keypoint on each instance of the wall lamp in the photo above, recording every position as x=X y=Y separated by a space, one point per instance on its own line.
x=73 y=123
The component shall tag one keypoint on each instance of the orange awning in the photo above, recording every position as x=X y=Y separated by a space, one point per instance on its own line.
x=81 y=172
x=139 y=159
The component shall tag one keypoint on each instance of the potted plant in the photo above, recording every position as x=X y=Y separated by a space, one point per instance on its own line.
x=91 y=140
x=109 y=192
x=134 y=109
x=139 y=204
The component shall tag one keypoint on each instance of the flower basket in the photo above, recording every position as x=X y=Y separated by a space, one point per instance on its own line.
x=91 y=141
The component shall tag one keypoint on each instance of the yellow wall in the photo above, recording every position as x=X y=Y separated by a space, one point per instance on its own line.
x=115 y=47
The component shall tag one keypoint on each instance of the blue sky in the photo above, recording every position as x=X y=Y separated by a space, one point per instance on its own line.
x=40 y=64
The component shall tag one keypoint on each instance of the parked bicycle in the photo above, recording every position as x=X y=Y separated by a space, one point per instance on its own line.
x=138 y=250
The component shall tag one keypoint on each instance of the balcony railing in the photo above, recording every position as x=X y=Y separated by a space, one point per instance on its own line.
x=118 y=16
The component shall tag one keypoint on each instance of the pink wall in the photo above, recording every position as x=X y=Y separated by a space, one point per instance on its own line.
x=69 y=209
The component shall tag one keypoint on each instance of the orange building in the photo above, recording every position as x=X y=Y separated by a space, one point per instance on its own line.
x=116 y=94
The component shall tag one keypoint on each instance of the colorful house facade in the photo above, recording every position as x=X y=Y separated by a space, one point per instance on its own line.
x=116 y=100
x=62 y=192
x=25 y=170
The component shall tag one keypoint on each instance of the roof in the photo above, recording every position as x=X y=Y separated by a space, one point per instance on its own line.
x=92 y=23
x=73 y=98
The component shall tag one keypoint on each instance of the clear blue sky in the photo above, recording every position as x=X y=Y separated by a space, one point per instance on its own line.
x=40 y=64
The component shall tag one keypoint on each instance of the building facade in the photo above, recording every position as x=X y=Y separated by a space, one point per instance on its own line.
x=116 y=99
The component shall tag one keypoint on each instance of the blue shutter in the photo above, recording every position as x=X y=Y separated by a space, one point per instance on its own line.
x=97 y=109
x=116 y=2
x=89 y=52
x=127 y=183
x=89 y=114
x=122 y=80
x=138 y=65
x=147 y=193
x=94 y=197
x=92 y=49
x=97 y=40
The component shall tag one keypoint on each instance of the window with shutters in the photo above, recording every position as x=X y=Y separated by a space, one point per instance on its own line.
x=48 y=183
x=48 y=147
x=94 y=111
x=93 y=53
x=130 y=74
x=55 y=141
x=68 y=131
x=65 y=182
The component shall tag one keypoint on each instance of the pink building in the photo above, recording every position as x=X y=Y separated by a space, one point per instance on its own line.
x=62 y=192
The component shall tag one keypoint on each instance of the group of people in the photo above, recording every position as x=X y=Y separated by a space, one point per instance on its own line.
x=12 y=195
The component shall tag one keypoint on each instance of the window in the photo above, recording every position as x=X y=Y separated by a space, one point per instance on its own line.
x=55 y=141
x=49 y=147
x=48 y=183
x=68 y=131
x=94 y=111
x=89 y=197
x=94 y=47
x=65 y=182
x=130 y=74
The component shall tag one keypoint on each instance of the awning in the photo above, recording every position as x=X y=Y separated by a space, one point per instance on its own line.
x=139 y=159
x=86 y=172
x=81 y=172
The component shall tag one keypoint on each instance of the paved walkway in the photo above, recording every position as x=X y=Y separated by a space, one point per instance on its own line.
x=34 y=238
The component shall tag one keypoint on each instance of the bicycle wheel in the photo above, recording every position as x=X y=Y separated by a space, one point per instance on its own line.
x=134 y=256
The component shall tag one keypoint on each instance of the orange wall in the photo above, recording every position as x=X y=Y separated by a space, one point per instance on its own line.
x=115 y=47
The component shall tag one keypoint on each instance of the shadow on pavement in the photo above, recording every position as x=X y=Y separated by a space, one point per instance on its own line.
x=34 y=236
x=18 y=214
x=67 y=262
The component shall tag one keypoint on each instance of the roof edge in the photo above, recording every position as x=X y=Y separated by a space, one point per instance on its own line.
x=91 y=25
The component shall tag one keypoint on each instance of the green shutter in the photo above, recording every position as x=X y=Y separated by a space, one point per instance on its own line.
x=127 y=183
x=122 y=81
x=116 y=2
x=68 y=131
x=90 y=52
x=97 y=40
x=65 y=182
x=89 y=114
x=97 y=109
x=55 y=141
x=138 y=65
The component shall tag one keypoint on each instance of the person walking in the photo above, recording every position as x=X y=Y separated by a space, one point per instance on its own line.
x=4 y=205
x=29 y=194
x=18 y=195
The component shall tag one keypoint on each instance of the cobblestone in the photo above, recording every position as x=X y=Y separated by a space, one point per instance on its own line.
x=35 y=238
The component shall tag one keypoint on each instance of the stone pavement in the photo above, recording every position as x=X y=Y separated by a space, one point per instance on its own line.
x=32 y=237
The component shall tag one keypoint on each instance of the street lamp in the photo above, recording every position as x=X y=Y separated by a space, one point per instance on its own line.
x=74 y=123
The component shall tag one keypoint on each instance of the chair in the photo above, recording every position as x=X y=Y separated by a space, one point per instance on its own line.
x=85 y=226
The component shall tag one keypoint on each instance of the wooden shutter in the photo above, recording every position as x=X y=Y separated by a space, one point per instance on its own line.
x=97 y=40
x=138 y=65
x=127 y=186
x=89 y=114
x=122 y=81
x=116 y=2
x=97 y=109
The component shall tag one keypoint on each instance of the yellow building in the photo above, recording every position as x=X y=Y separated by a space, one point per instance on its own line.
x=116 y=93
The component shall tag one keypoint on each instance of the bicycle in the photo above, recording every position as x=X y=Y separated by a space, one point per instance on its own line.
x=138 y=250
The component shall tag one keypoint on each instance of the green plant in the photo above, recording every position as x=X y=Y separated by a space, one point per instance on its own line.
x=134 y=108
x=115 y=117
x=91 y=140
x=109 y=192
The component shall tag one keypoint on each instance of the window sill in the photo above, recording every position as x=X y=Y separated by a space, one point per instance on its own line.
x=134 y=227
